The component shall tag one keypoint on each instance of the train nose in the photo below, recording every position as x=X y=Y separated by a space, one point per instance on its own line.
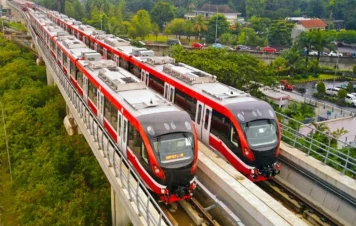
x=181 y=192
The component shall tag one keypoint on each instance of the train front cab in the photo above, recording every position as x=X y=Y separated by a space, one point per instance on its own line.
x=224 y=131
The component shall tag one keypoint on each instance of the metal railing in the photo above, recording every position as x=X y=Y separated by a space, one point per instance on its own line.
x=323 y=150
x=123 y=171
x=336 y=111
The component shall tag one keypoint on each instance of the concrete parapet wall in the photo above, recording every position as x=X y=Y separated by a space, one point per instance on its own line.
x=251 y=204
x=330 y=203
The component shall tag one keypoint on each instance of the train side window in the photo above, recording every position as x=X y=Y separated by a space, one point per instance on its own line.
x=58 y=52
x=136 y=144
x=109 y=55
x=186 y=102
x=199 y=114
x=92 y=92
x=60 y=55
x=79 y=78
x=65 y=60
x=119 y=131
x=156 y=84
x=110 y=113
x=73 y=69
x=220 y=125
x=124 y=132
x=207 y=113
x=234 y=137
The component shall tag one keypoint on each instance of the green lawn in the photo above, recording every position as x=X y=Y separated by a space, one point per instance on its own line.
x=320 y=78
x=17 y=26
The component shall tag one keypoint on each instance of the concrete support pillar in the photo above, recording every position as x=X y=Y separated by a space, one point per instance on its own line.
x=70 y=124
x=50 y=80
x=118 y=213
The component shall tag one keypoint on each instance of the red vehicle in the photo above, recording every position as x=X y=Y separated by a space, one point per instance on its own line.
x=157 y=138
x=286 y=85
x=243 y=130
x=268 y=49
x=197 y=45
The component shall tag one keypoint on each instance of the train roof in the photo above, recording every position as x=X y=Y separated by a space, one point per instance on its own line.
x=130 y=91
x=200 y=81
x=76 y=48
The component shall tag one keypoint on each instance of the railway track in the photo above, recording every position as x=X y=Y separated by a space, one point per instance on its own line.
x=204 y=209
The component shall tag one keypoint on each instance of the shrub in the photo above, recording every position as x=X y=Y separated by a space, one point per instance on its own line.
x=316 y=75
x=320 y=87
x=350 y=88
x=341 y=94
x=297 y=77
x=305 y=76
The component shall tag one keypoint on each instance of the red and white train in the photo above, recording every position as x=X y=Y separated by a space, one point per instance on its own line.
x=157 y=138
x=243 y=129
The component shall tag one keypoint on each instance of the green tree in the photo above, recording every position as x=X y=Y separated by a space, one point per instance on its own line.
x=292 y=57
x=176 y=26
x=217 y=21
x=259 y=24
x=155 y=30
x=254 y=8
x=248 y=36
x=341 y=94
x=199 y=25
x=350 y=87
x=279 y=32
x=278 y=64
x=228 y=39
x=141 y=23
x=320 y=87
x=188 y=28
x=162 y=13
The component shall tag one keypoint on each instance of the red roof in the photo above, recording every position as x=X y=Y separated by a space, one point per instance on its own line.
x=315 y=23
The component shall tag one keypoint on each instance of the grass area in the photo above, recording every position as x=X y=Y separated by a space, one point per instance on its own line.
x=17 y=26
x=321 y=77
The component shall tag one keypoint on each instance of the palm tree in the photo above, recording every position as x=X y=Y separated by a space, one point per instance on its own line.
x=199 y=25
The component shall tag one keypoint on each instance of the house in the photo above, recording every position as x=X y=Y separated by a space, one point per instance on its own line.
x=307 y=25
x=208 y=10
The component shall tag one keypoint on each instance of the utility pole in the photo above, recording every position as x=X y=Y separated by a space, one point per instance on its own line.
x=216 y=24
x=101 y=21
x=61 y=6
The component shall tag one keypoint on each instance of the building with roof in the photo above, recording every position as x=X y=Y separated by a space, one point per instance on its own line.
x=208 y=10
x=306 y=24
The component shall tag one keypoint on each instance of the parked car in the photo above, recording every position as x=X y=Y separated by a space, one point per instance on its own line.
x=313 y=53
x=333 y=53
x=268 y=49
x=242 y=48
x=332 y=91
x=350 y=99
x=286 y=85
x=217 y=45
x=171 y=42
x=197 y=45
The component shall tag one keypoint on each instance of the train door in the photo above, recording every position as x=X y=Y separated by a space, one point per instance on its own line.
x=117 y=60
x=145 y=77
x=100 y=105
x=95 y=46
x=123 y=141
x=85 y=89
x=169 y=92
x=105 y=53
x=203 y=121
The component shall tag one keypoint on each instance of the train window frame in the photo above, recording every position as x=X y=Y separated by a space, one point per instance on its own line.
x=124 y=132
x=73 y=69
x=216 y=130
x=92 y=90
x=200 y=107
x=119 y=124
x=79 y=77
x=110 y=113
x=65 y=60
x=136 y=144
x=206 y=122
x=233 y=136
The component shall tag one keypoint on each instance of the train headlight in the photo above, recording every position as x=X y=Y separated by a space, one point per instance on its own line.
x=158 y=172
x=248 y=154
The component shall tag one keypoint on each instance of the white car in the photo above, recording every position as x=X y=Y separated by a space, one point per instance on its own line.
x=351 y=99
x=332 y=91
x=313 y=53
x=332 y=53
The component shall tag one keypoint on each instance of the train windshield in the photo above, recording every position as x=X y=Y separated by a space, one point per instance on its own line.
x=174 y=148
x=261 y=133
